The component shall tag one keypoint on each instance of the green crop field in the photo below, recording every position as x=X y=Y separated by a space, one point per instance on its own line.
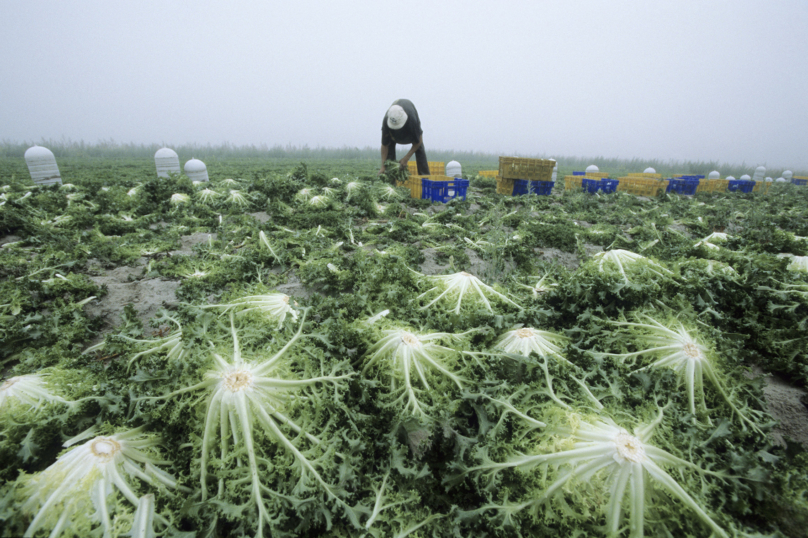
x=298 y=348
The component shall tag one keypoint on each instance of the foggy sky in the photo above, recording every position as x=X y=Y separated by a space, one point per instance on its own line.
x=685 y=80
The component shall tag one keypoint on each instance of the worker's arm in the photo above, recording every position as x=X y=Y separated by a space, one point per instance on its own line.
x=384 y=158
x=403 y=162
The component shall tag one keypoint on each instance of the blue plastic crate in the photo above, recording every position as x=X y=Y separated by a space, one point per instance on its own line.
x=579 y=173
x=683 y=186
x=524 y=186
x=609 y=185
x=799 y=181
x=742 y=185
x=590 y=185
x=443 y=191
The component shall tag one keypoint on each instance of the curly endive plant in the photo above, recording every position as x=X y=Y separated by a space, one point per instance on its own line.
x=459 y=285
x=207 y=195
x=684 y=352
x=411 y=359
x=628 y=464
x=172 y=343
x=546 y=345
x=275 y=306
x=713 y=240
x=237 y=198
x=30 y=391
x=74 y=492
x=624 y=259
x=245 y=395
x=544 y=285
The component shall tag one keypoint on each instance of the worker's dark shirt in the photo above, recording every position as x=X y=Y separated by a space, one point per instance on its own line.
x=410 y=133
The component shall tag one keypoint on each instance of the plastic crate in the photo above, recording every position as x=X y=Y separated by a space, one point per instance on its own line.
x=608 y=185
x=741 y=185
x=590 y=185
x=683 y=186
x=573 y=182
x=762 y=187
x=713 y=185
x=643 y=174
x=444 y=190
x=414 y=184
x=488 y=173
x=505 y=186
x=579 y=173
x=518 y=168
x=526 y=186
x=435 y=168
x=597 y=175
x=641 y=186
x=799 y=180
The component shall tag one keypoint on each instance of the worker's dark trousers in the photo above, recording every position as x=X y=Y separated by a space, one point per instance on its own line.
x=420 y=158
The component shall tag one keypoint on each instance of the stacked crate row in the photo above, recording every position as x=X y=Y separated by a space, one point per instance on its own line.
x=799 y=180
x=519 y=176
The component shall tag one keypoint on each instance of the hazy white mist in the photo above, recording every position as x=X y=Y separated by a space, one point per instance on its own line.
x=690 y=80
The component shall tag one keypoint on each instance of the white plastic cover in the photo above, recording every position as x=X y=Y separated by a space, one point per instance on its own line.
x=715 y=174
x=780 y=180
x=196 y=170
x=592 y=168
x=166 y=160
x=787 y=175
x=649 y=170
x=453 y=169
x=746 y=177
x=42 y=166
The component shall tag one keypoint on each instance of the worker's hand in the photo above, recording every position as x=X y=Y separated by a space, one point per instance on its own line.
x=402 y=164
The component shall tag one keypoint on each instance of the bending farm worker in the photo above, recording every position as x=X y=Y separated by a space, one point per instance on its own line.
x=401 y=125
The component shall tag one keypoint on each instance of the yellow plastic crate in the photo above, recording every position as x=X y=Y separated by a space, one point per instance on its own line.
x=488 y=173
x=643 y=174
x=762 y=187
x=597 y=175
x=713 y=185
x=504 y=186
x=641 y=186
x=414 y=184
x=435 y=167
x=572 y=183
x=531 y=169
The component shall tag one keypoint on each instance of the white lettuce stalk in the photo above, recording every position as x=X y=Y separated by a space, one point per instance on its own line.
x=630 y=466
x=275 y=306
x=682 y=351
x=320 y=201
x=458 y=285
x=798 y=263
x=207 y=195
x=546 y=345
x=623 y=259
x=245 y=395
x=87 y=475
x=28 y=390
x=179 y=198
x=409 y=359
x=237 y=198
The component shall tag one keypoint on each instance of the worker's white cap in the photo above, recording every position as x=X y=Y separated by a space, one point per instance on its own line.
x=396 y=117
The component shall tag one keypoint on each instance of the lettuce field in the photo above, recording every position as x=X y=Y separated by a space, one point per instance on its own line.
x=301 y=351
